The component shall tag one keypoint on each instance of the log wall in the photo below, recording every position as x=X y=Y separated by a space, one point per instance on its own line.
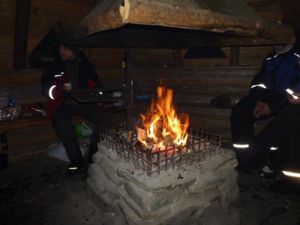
x=196 y=82
x=43 y=16
x=7 y=25
x=290 y=9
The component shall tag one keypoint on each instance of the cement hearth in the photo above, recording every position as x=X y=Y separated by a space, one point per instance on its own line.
x=193 y=194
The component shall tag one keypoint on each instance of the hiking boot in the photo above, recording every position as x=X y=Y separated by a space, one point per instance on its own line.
x=76 y=168
x=267 y=172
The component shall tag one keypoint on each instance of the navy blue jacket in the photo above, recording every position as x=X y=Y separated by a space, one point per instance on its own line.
x=278 y=73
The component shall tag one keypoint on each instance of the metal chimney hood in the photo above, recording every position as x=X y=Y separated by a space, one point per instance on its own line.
x=174 y=24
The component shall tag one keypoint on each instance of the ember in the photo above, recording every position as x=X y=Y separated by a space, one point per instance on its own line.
x=161 y=126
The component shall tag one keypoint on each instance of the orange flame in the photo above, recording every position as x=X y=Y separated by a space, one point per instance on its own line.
x=161 y=126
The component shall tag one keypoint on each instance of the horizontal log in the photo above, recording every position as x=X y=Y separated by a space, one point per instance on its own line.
x=205 y=62
x=192 y=78
x=110 y=73
x=30 y=135
x=34 y=76
x=12 y=77
x=23 y=123
x=180 y=98
x=203 y=109
x=207 y=80
x=196 y=90
x=168 y=72
x=23 y=93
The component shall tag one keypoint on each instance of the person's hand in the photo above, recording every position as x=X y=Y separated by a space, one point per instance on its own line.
x=261 y=109
x=294 y=101
x=67 y=87
x=266 y=111
x=257 y=110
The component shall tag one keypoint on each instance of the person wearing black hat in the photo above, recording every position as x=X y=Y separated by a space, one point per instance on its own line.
x=270 y=91
x=71 y=70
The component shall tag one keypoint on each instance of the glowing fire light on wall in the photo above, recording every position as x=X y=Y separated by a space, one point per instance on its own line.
x=161 y=126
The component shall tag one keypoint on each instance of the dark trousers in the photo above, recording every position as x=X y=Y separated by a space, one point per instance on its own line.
x=242 y=121
x=283 y=132
x=62 y=121
x=242 y=132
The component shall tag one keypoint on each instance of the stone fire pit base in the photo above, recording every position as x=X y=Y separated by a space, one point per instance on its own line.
x=202 y=193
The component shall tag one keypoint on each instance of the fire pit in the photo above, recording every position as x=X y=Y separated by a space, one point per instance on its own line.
x=159 y=176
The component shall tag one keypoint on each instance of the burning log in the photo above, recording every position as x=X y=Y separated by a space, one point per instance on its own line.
x=160 y=125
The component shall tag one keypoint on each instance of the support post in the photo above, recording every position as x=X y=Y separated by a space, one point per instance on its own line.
x=129 y=85
x=21 y=34
x=177 y=56
x=235 y=56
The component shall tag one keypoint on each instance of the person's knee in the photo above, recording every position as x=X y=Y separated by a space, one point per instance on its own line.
x=61 y=115
x=236 y=112
x=62 y=123
x=243 y=109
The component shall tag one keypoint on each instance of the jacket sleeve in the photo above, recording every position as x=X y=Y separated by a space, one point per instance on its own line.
x=258 y=88
x=47 y=81
x=276 y=100
x=296 y=85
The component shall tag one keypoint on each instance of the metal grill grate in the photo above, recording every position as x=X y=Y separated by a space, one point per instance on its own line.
x=201 y=144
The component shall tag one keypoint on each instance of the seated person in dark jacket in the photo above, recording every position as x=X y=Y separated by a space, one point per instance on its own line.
x=71 y=70
x=278 y=142
x=279 y=74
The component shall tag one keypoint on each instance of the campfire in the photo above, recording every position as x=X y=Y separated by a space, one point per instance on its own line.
x=162 y=140
x=161 y=126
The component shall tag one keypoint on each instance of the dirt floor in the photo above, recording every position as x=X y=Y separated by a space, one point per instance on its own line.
x=36 y=190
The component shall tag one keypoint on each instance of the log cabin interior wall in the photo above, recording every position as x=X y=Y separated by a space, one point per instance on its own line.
x=206 y=77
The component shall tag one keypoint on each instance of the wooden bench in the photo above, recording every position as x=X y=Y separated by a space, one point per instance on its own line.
x=20 y=123
x=38 y=121
x=23 y=122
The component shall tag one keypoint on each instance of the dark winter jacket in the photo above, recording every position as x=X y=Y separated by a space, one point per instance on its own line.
x=56 y=75
x=279 y=72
